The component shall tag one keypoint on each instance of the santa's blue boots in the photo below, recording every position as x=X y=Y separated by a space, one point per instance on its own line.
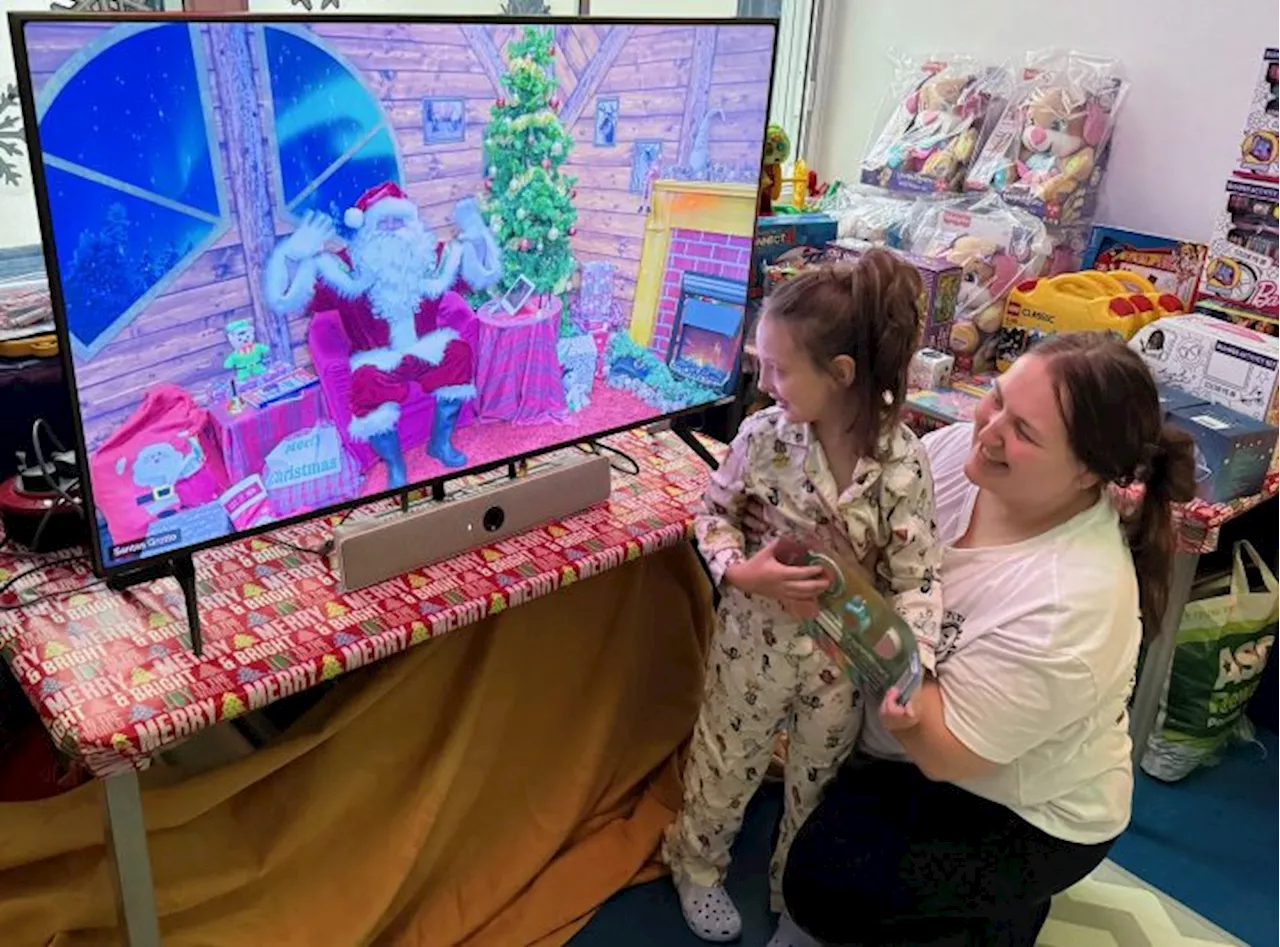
x=441 y=444
x=387 y=446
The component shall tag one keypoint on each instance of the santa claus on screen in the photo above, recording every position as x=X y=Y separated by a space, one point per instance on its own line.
x=394 y=289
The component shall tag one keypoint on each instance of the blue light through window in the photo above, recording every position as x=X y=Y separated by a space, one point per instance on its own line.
x=133 y=190
x=331 y=137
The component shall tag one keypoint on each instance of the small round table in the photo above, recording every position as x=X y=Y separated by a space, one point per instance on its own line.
x=518 y=374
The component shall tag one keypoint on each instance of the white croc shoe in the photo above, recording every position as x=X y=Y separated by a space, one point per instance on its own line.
x=710 y=913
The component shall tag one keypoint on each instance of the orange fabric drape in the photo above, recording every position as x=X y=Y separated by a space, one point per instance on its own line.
x=489 y=788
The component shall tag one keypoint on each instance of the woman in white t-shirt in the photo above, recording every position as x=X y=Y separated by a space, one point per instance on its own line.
x=1007 y=778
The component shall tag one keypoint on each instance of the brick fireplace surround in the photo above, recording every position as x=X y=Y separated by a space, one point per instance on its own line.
x=700 y=226
x=711 y=254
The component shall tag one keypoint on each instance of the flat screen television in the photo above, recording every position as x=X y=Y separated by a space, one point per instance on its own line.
x=301 y=263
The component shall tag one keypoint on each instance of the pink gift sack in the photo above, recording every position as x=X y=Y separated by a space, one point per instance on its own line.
x=162 y=460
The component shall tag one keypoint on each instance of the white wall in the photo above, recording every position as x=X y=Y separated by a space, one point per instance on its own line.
x=1192 y=65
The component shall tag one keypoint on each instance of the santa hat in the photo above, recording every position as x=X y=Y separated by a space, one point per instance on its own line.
x=354 y=216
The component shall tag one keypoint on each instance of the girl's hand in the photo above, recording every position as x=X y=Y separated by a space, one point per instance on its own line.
x=764 y=575
x=896 y=717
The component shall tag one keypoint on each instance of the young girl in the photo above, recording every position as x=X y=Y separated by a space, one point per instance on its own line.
x=829 y=458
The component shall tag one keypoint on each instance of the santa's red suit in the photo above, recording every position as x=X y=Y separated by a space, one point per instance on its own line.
x=387 y=358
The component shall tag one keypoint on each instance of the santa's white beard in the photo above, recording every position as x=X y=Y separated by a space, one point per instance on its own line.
x=395 y=265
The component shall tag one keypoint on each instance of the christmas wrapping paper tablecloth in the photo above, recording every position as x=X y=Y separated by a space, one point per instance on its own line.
x=114 y=680
x=1198 y=523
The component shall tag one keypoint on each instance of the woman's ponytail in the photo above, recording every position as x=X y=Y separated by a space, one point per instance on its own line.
x=1168 y=475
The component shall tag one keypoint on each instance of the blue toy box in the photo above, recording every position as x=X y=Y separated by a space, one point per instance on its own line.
x=1233 y=452
x=780 y=233
x=1173 y=398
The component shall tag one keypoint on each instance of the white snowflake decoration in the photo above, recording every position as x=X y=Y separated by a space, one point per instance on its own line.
x=324 y=4
x=11 y=138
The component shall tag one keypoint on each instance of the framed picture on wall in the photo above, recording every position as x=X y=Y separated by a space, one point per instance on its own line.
x=644 y=157
x=443 y=119
x=606 y=121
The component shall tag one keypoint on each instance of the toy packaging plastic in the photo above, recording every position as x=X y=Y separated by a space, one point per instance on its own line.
x=1173 y=266
x=996 y=247
x=939 y=112
x=873 y=215
x=856 y=627
x=1258 y=322
x=1260 y=143
x=1241 y=268
x=1049 y=148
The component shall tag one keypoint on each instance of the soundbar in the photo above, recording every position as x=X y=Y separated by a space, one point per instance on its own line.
x=374 y=550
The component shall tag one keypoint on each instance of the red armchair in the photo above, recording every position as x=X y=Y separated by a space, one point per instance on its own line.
x=331 y=356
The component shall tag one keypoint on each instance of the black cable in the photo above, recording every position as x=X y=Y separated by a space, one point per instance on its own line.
x=595 y=447
x=13 y=579
x=323 y=550
x=36 y=427
x=65 y=499
x=94 y=586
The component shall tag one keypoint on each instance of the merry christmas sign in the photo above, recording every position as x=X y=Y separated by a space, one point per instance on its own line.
x=308 y=470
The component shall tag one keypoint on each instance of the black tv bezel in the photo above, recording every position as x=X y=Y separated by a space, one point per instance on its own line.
x=30 y=119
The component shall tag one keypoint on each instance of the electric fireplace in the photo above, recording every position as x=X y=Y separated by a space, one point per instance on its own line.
x=707 y=337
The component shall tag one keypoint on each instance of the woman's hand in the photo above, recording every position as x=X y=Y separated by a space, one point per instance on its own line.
x=896 y=717
x=797 y=587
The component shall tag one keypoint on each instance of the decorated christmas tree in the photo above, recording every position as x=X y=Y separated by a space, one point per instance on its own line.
x=528 y=200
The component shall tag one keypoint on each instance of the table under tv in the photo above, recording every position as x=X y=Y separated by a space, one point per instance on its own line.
x=115 y=683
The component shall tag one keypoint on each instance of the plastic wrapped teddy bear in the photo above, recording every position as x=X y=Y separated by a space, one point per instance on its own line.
x=942 y=131
x=1061 y=131
x=1047 y=151
x=988 y=274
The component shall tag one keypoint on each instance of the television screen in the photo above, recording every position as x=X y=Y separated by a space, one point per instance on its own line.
x=303 y=263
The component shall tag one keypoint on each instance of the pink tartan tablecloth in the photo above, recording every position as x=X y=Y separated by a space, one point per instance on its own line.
x=518 y=374
x=248 y=437
x=114 y=681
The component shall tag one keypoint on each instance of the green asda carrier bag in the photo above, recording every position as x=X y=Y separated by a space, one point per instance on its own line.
x=1222 y=648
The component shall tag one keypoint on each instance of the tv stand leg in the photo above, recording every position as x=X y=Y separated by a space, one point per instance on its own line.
x=691 y=441
x=437 y=491
x=184 y=570
x=404 y=502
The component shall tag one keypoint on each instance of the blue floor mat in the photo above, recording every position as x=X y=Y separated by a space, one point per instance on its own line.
x=1210 y=841
x=649 y=915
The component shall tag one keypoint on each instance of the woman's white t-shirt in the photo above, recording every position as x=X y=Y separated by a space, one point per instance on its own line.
x=1036 y=659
